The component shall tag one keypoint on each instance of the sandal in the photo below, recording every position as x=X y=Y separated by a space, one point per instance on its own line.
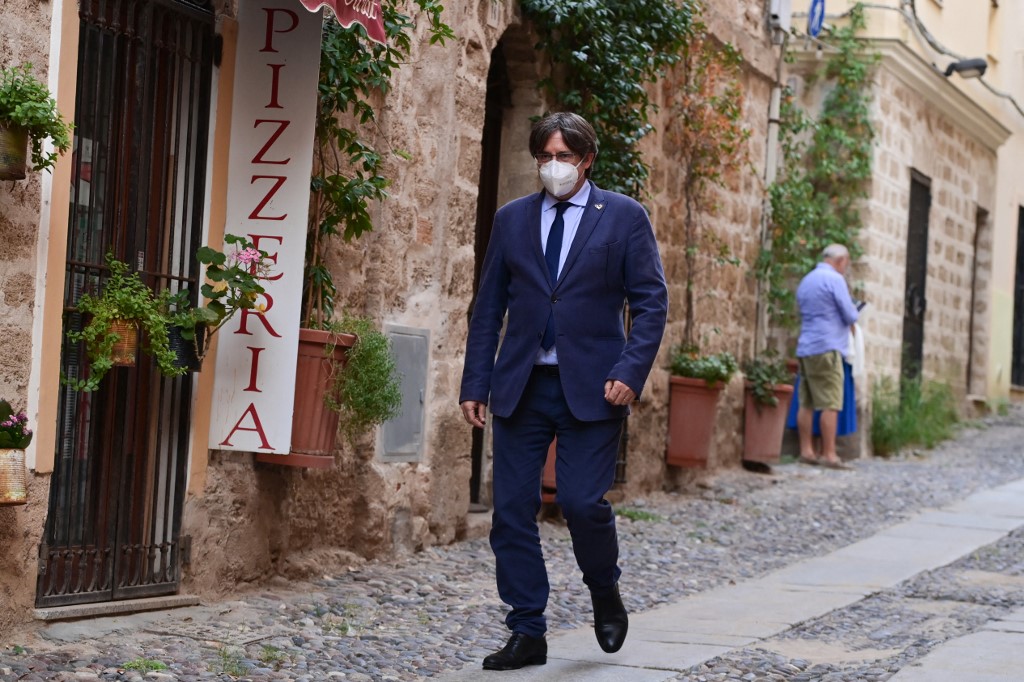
x=813 y=461
x=836 y=464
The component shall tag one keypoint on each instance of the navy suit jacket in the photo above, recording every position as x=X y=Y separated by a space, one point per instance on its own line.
x=613 y=259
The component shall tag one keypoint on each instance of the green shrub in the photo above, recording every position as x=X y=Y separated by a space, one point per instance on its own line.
x=910 y=413
x=145 y=665
x=765 y=372
x=367 y=389
x=687 y=361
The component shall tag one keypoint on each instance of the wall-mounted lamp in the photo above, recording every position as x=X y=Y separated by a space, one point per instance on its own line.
x=967 y=68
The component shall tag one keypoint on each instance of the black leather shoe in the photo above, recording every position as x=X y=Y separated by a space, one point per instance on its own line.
x=520 y=651
x=610 y=620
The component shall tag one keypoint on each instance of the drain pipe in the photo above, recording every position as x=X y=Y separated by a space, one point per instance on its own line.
x=770 y=173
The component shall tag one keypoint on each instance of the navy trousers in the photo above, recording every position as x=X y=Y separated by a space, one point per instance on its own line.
x=585 y=471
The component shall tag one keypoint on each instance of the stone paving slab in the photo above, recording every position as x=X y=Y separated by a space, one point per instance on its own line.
x=917 y=554
x=984 y=656
x=922 y=530
x=945 y=519
x=858 y=575
x=695 y=634
x=559 y=670
x=111 y=608
x=1005 y=501
x=638 y=652
x=747 y=609
x=1016 y=616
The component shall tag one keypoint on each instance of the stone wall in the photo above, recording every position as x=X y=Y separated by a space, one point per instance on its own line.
x=26 y=39
x=415 y=270
x=913 y=135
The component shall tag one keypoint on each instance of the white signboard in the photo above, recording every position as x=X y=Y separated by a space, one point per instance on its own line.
x=271 y=158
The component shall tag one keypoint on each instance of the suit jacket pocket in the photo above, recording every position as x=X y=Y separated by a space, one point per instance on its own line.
x=608 y=258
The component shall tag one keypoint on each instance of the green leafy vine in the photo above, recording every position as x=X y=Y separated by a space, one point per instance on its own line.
x=826 y=166
x=348 y=173
x=604 y=53
x=707 y=139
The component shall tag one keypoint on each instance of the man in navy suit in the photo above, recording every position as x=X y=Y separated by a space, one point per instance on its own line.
x=561 y=264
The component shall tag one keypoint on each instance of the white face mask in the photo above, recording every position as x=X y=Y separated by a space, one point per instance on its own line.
x=558 y=177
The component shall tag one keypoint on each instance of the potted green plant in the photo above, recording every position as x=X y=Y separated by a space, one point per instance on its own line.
x=768 y=391
x=348 y=178
x=349 y=378
x=695 y=384
x=345 y=378
x=232 y=284
x=365 y=390
x=15 y=436
x=28 y=116
x=115 y=316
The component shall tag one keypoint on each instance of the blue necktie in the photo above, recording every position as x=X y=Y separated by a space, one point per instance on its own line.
x=552 y=253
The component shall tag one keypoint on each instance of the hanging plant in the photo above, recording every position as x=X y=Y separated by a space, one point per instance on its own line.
x=26 y=105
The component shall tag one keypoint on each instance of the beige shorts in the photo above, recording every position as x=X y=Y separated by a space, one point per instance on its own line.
x=821 y=381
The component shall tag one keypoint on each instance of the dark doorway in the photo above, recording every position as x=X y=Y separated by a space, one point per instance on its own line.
x=980 y=269
x=1017 y=368
x=499 y=98
x=914 y=299
x=142 y=111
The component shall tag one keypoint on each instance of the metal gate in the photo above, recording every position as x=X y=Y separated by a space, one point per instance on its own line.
x=142 y=111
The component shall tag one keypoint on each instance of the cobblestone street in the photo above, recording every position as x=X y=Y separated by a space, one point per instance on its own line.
x=436 y=612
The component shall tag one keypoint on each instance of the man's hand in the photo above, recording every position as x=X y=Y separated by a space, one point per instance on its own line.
x=474 y=412
x=617 y=393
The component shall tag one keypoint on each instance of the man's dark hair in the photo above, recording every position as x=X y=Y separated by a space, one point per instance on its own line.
x=579 y=136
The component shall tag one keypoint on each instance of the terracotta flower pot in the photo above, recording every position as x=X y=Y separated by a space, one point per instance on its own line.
x=764 y=425
x=693 y=406
x=13 y=480
x=126 y=349
x=314 y=425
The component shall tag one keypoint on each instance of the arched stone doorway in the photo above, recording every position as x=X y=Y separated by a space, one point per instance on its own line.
x=506 y=172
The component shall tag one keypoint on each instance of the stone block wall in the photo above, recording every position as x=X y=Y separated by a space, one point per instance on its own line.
x=913 y=135
x=26 y=39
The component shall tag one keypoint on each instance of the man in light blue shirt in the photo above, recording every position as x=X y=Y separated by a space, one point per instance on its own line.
x=826 y=315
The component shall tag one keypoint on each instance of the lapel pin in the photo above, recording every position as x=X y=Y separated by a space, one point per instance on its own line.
x=598 y=206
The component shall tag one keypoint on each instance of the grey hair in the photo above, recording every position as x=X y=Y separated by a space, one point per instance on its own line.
x=835 y=252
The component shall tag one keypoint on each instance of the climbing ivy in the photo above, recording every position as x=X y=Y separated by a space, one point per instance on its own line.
x=603 y=54
x=708 y=141
x=826 y=165
x=355 y=73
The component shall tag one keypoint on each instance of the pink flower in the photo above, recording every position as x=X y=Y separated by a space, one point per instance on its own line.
x=248 y=255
